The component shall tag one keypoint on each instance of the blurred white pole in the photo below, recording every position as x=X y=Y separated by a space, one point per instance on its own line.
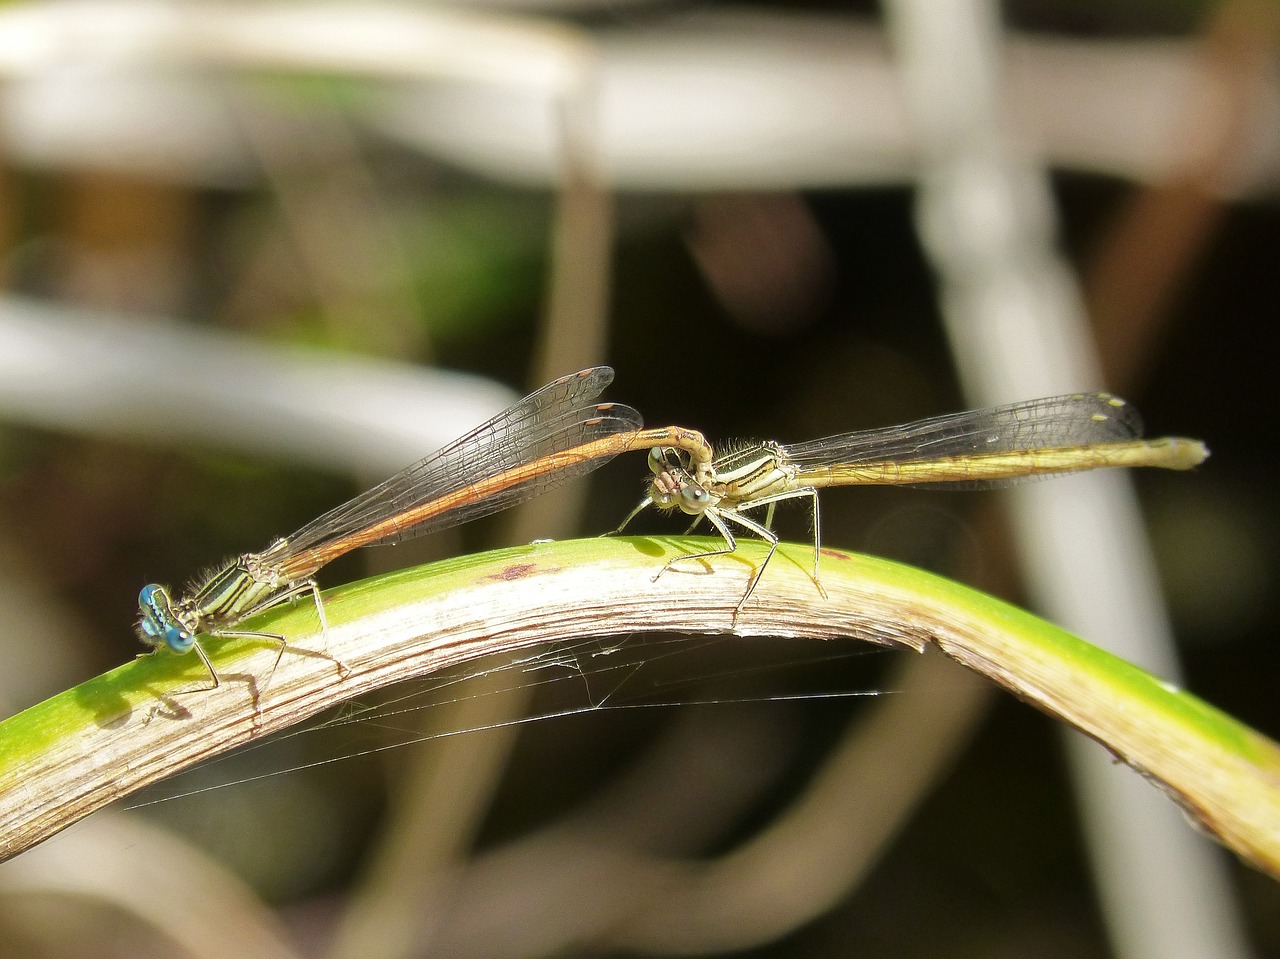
x=135 y=85
x=1017 y=327
x=171 y=384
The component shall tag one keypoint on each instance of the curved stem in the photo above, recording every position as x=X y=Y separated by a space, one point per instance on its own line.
x=108 y=737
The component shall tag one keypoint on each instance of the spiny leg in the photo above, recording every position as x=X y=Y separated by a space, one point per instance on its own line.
x=774 y=500
x=314 y=590
x=718 y=518
x=289 y=594
x=309 y=586
x=817 y=543
x=730 y=544
x=276 y=638
x=694 y=525
x=213 y=673
x=644 y=504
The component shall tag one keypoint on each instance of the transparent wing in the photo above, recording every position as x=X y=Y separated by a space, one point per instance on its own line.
x=1059 y=422
x=558 y=417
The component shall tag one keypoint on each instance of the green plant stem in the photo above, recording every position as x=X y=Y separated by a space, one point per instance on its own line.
x=66 y=757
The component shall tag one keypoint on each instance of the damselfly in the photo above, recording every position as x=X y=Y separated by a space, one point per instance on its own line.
x=555 y=433
x=990 y=447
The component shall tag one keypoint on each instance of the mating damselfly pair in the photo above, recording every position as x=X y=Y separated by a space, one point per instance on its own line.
x=559 y=432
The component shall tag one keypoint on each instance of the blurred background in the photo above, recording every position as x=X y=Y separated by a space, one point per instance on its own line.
x=259 y=256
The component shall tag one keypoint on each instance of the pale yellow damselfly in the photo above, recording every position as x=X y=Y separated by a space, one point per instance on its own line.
x=978 y=448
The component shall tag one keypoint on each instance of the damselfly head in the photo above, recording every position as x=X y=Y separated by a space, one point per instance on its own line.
x=673 y=485
x=159 y=623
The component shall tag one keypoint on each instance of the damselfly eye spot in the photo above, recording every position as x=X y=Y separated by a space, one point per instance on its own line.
x=694 y=499
x=178 y=639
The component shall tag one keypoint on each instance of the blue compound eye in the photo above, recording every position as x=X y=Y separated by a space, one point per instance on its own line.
x=694 y=499
x=178 y=639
